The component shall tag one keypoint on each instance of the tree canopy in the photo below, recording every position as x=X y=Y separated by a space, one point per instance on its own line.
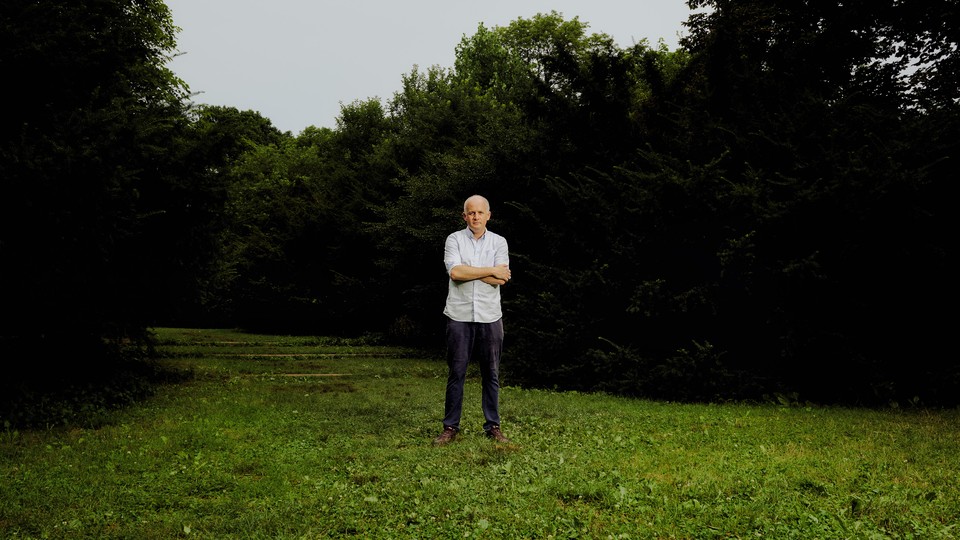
x=88 y=150
x=760 y=212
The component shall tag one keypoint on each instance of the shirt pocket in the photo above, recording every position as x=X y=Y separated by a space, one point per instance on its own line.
x=487 y=257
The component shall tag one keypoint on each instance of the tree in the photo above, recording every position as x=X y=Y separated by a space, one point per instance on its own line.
x=184 y=235
x=823 y=172
x=729 y=211
x=537 y=98
x=297 y=256
x=92 y=136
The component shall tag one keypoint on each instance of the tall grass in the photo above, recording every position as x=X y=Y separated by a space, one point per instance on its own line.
x=282 y=437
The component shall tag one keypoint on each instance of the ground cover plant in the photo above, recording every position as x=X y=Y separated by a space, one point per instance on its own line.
x=308 y=437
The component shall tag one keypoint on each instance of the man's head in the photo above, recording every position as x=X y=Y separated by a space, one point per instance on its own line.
x=476 y=212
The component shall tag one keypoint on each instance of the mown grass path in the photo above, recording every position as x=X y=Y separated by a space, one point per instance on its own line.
x=283 y=437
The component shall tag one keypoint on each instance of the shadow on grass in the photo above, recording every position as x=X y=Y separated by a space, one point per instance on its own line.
x=76 y=384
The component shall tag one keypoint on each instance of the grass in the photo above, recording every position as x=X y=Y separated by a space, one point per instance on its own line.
x=286 y=437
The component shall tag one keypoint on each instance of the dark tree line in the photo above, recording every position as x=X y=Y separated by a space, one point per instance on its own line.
x=760 y=212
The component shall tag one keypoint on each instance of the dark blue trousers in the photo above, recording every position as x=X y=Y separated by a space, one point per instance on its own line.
x=483 y=343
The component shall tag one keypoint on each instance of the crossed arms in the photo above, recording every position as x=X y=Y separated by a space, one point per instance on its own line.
x=492 y=275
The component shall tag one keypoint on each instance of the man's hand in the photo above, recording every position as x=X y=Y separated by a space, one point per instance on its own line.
x=501 y=272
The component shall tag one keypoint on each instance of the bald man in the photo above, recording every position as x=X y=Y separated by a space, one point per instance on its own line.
x=478 y=265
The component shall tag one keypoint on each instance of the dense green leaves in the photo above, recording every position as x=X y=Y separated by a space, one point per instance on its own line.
x=90 y=134
x=761 y=211
x=821 y=149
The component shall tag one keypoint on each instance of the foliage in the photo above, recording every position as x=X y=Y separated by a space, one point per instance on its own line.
x=826 y=183
x=189 y=216
x=760 y=212
x=93 y=138
x=296 y=211
x=299 y=437
x=710 y=223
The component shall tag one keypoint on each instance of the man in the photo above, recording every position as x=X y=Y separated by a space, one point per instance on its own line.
x=478 y=265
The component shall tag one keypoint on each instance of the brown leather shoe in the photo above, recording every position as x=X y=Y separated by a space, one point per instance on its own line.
x=497 y=435
x=448 y=435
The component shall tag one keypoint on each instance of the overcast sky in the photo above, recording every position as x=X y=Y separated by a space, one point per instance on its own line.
x=296 y=61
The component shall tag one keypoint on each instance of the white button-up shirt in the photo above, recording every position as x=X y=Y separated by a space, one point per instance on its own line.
x=474 y=300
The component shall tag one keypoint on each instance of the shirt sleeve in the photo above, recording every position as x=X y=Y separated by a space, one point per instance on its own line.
x=503 y=254
x=451 y=253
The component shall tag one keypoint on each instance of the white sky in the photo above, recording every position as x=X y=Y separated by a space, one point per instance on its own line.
x=297 y=61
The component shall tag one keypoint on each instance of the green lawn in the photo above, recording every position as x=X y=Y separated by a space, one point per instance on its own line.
x=288 y=437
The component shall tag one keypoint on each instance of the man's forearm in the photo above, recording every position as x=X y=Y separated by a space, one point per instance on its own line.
x=500 y=274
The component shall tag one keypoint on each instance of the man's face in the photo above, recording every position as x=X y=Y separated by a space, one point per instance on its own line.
x=476 y=215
